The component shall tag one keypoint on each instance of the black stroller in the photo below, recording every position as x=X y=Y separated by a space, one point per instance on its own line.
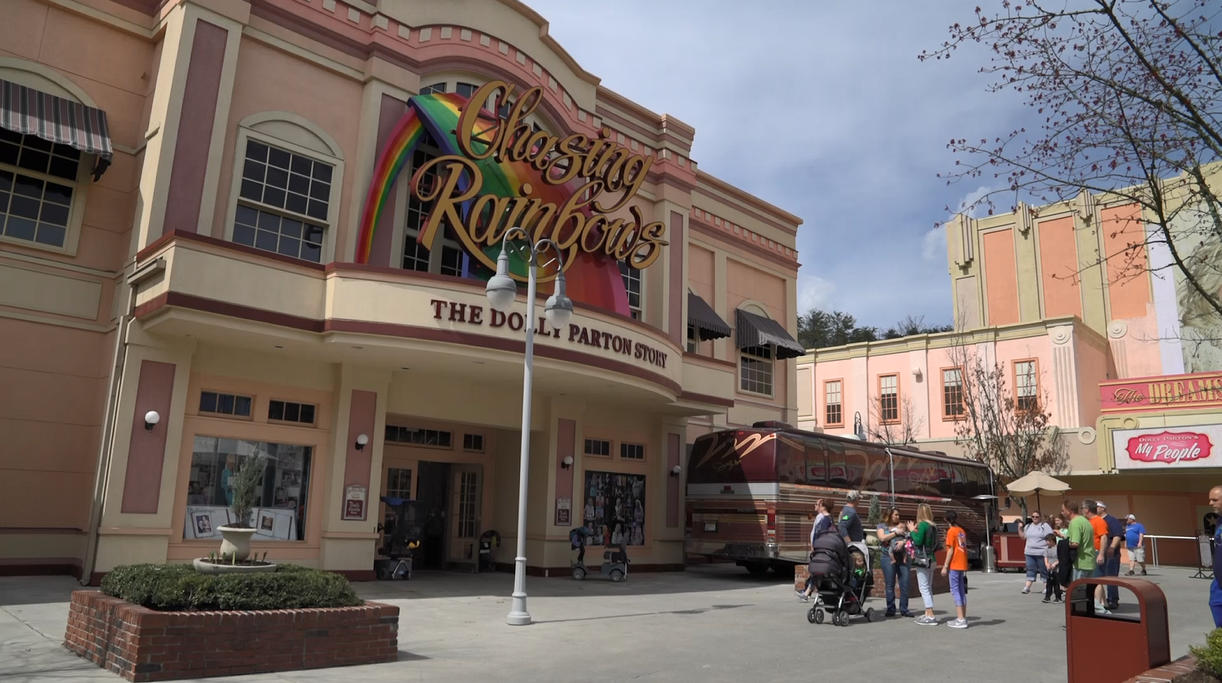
x=842 y=580
x=401 y=534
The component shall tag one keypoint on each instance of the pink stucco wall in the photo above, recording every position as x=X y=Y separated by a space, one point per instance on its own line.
x=1059 y=268
x=1001 y=279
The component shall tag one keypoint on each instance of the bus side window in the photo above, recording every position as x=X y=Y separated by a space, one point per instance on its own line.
x=843 y=469
x=816 y=465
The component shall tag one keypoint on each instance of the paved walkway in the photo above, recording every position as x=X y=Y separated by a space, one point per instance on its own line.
x=712 y=623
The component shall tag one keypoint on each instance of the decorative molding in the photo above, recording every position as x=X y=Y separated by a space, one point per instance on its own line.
x=1087 y=435
x=1025 y=223
x=1061 y=335
x=1117 y=329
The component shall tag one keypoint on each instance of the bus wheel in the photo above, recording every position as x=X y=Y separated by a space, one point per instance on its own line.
x=757 y=568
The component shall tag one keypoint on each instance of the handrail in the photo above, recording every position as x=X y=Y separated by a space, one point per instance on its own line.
x=1154 y=544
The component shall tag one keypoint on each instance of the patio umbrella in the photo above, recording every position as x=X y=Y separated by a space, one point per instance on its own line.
x=1034 y=482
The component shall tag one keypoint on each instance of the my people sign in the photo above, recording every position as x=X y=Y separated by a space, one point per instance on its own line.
x=1167 y=447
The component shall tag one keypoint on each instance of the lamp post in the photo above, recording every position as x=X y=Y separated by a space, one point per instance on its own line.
x=501 y=292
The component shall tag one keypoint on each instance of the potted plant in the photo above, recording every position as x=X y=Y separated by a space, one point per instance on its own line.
x=234 y=554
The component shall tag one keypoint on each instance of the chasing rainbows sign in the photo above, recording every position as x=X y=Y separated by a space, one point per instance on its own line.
x=1167 y=447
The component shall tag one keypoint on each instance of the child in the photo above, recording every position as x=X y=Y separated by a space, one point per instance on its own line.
x=857 y=577
x=1050 y=562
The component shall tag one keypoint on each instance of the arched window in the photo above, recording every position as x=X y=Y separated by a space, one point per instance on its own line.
x=287 y=177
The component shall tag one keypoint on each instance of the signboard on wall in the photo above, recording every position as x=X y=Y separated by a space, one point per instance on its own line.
x=354 y=501
x=1158 y=393
x=1168 y=447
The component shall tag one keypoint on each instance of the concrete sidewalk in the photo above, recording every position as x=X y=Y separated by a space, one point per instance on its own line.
x=712 y=623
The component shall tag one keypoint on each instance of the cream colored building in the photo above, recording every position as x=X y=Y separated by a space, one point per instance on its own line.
x=248 y=279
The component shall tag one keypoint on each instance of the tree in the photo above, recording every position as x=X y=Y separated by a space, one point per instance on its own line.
x=899 y=432
x=911 y=325
x=1129 y=99
x=820 y=329
x=1011 y=437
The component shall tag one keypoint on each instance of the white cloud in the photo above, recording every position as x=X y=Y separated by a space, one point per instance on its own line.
x=813 y=292
x=933 y=245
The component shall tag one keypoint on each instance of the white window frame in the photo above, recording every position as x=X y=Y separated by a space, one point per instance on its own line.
x=637 y=312
x=248 y=130
x=745 y=356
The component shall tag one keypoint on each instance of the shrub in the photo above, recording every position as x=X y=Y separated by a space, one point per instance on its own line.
x=178 y=587
x=1209 y=658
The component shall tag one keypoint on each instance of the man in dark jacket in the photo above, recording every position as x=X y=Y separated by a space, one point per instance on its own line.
x=849 y=523
x=1215 y=586
x=1111 y=563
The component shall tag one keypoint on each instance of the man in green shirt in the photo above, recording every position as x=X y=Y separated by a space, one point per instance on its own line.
x=1081 y=538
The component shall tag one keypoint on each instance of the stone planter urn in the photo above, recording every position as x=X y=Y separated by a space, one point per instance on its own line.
x=235 y=541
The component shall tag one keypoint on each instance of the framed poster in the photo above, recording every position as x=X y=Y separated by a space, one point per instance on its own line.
x=614 y=510
x=274 y=523
x=354 y=501
x=202 y=521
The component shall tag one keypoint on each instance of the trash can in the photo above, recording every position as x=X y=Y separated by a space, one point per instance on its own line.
x=1134 y=640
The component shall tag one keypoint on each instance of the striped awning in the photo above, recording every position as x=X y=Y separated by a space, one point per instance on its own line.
x=756 y=330
x=704 y=320
x=55 y=119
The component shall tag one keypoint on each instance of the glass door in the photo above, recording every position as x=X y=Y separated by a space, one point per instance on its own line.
x=466 y=491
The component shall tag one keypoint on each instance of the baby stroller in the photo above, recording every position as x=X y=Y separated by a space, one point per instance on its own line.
x=402 y=535
x=615 y=562
x=842 y=579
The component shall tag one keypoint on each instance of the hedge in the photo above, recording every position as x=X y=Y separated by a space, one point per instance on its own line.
x=178 y=587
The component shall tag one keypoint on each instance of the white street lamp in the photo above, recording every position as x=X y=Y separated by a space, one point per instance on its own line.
x=501 y=291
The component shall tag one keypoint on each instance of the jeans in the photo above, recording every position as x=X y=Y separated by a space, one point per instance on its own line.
x=891 y=572
x=925 y=585
x=1081 y=573
x=958 y=587
x=1036 y=567
x=1111 y=567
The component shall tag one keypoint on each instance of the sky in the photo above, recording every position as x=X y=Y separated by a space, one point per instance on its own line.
x=822 y=109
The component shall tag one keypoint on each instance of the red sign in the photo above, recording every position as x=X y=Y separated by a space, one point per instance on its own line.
x=354 y=509
x=1168 y=391
x=1169 y=447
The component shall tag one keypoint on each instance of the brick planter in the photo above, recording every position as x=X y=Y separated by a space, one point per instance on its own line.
x=941 y=584
x=141 y=644
x=1182 y=669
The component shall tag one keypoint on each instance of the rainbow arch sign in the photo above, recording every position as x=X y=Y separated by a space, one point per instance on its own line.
x=497 y=172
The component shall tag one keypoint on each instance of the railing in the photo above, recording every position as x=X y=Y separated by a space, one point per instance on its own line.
x=1154 y=544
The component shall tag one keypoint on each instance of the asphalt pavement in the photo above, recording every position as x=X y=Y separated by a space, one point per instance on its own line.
x=710 y=623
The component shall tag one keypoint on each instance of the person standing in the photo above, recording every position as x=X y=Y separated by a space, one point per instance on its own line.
x=823 y=521
x=1134 y=541
x=1111 y=561
x=1215 y=586
x=1060 y=526
x=925 y=541
x=849 y=525
x=1050 y=565
x=892 y=539
x=1099 y=534
x=956 y=566
x=1081 y=540
x=1035 y=532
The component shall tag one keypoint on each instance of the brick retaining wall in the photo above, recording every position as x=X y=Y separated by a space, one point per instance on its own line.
x=141 y=644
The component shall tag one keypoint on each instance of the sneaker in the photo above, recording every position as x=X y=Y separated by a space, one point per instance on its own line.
x=1143 y=572
x=1045 y=601
x=1026 y=590
x=1130 y=573
x=1057 y=600
x=957 y=623
x=1100 y=609
x=925 y=620
x=889 y=613
x=802 y=596
x=906 y=614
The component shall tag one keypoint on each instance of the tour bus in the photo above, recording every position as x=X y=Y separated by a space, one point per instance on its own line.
x=751 y=492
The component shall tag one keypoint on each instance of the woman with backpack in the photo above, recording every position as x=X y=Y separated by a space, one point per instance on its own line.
x=924 y=544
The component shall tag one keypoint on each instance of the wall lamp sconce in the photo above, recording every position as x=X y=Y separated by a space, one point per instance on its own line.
x=151 y=418
x=674 y=471
x=917 y=374
x=361 y=440
x=567 y=462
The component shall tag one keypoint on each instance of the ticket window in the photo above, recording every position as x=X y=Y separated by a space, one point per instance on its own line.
x=466 y=492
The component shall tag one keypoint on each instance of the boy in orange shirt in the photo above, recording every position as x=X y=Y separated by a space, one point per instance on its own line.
x=956 y=565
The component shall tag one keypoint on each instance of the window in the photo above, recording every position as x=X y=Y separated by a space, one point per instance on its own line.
x=398 y=482
x=224 y=404
x=433 y=88
x=632 y=451
x=889 y=398
x=1026 y=385
x=832 y=413
x=597 y=447
x=37 y=183
x=419 y=437
x=755 y=375
x=632 y=283
x=468 y=493
x=288 y=411
x=952 y=393
x=280 y=498
x=465 y=89
x=446 y=256
x=692 y=342
x=614 y=512
x=473 y=442
x=283 y=202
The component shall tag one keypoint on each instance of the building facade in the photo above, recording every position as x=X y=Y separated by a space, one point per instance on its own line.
x=240 y=230
x=1121 y=353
